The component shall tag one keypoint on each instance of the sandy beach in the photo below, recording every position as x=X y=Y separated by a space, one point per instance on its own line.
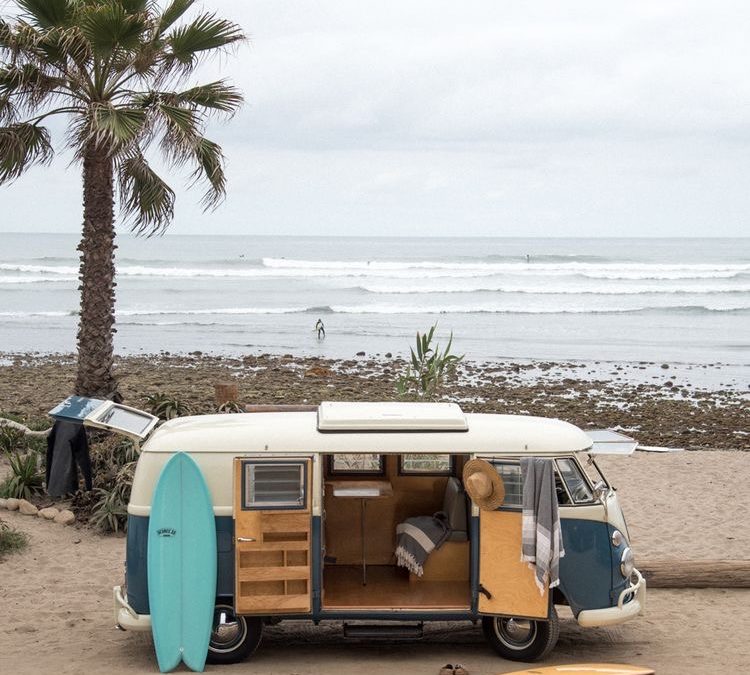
x=57 y=605
x=56 y=596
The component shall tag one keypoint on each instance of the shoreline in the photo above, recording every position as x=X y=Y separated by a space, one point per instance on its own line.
x=658 y=404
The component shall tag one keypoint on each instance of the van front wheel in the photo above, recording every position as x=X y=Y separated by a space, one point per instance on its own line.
x=233 y=637
x=521 y=639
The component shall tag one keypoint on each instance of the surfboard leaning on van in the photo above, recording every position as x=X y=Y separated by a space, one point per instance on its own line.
x=307 y=506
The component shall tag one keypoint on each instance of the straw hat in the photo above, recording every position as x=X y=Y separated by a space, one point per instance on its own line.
x=484 y=485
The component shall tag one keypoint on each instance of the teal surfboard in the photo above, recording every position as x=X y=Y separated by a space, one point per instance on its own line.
x=181 y=565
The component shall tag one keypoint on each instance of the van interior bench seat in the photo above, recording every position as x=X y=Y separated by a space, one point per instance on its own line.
x=389 y=586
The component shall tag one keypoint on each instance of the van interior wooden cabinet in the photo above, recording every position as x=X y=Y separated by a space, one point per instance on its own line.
x=272 y=525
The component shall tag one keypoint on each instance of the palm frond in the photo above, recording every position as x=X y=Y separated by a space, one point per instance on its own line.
x=63 y=43
x=29 y=83
x=46 y=13
x=19 y=41
x=180 y=126
x=171 y=14
x=109 y=26
x=21 y=146
x=8 y=110
x=206 y=32
x=218 y=96
x=122 y=124
x=210 y=160
x=144 y=197
x=109 y=127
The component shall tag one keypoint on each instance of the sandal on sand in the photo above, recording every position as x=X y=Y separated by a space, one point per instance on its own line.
x=447 y=669
x=460 y=670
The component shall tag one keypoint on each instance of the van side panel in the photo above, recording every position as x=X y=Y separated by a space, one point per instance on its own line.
x=137 y=553
x=586 y=567
x=136 y=575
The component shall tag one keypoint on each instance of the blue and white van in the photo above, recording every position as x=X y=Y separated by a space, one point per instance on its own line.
x=307 y=504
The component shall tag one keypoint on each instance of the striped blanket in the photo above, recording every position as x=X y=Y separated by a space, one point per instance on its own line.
x=542 y=544
x=417 y=538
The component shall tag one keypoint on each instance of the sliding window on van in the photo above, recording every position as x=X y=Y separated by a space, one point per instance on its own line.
x=356 y=463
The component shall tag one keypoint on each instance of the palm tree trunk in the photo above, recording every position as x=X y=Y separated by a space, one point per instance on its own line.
x=97 y=280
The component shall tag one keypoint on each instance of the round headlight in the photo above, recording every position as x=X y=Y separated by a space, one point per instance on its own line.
x=617 y=538
x=627 y=562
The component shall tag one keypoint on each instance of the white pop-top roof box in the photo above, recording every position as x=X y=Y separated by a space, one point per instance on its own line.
x=344 y=416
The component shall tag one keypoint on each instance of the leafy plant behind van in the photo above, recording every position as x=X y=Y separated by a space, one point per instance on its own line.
x=166 y=407
x=25 y=479
x=428 y=369
x=11 y=439
x=110 y=512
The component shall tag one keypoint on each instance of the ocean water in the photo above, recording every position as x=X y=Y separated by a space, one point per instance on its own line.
x=677 y=300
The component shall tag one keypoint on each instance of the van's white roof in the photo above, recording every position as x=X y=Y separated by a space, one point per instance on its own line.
x=390 y=416
x=297 y=432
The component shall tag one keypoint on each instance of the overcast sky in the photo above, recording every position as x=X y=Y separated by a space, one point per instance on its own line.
x=468 y=118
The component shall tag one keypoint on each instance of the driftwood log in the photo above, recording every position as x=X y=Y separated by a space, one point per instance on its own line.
x=4 y=422
x=265 y=408
x=696 y=573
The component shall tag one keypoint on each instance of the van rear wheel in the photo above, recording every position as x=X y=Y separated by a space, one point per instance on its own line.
x=233 y=637
x=521 y=639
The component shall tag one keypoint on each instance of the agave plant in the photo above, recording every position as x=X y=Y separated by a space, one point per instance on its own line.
x=166 y=407
x=230 y=407
x=11 y=439
x=25 y=479
x=428 y=368
x=110 y=512
x=117 y=71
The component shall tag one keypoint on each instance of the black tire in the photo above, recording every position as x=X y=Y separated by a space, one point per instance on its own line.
x=233 y=638
x=521 y=639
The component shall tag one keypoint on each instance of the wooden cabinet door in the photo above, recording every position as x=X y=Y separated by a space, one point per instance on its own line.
x=509 y=581
x=272 y=541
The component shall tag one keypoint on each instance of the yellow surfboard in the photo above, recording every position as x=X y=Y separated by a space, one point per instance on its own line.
x=586 y=669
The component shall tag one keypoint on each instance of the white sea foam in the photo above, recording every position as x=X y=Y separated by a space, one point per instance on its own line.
x=396 y=309
x=282 y=268
x=501 y=286
x=4 y=279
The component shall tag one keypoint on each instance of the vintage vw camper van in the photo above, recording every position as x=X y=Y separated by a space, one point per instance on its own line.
x=307 y=505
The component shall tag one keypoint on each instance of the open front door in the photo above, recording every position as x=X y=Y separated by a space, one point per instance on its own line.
x=508 y=581
x=272 y=516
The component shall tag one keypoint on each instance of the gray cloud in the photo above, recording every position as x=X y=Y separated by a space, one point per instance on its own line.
x=578 y=118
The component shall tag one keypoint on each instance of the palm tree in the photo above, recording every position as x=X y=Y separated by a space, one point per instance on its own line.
x=118 y=71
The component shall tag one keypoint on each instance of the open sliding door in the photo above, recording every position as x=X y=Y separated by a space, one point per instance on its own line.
x=272 y=525
x=506 y=585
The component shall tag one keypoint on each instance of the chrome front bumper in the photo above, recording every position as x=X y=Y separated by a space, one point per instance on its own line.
x=126 y=618
x=623 y=611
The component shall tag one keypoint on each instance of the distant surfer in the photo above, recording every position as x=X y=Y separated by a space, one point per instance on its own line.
x=320 y=329
x=528 y=258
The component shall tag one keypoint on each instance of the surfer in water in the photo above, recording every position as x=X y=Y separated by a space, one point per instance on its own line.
x=320 y=329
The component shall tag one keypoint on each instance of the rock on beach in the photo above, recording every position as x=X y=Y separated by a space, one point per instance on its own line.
x=27 y=508
x=50 y=513
x=12 y=504
x=65 y=517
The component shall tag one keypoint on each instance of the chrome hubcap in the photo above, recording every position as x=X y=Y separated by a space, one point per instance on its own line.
x=228 y=630
x=516 y=634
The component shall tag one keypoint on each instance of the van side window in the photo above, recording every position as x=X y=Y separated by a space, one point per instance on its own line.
x=431 y=465
x=577 y=486
x=273 y=485
x=356 y=463
x=510 y=472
